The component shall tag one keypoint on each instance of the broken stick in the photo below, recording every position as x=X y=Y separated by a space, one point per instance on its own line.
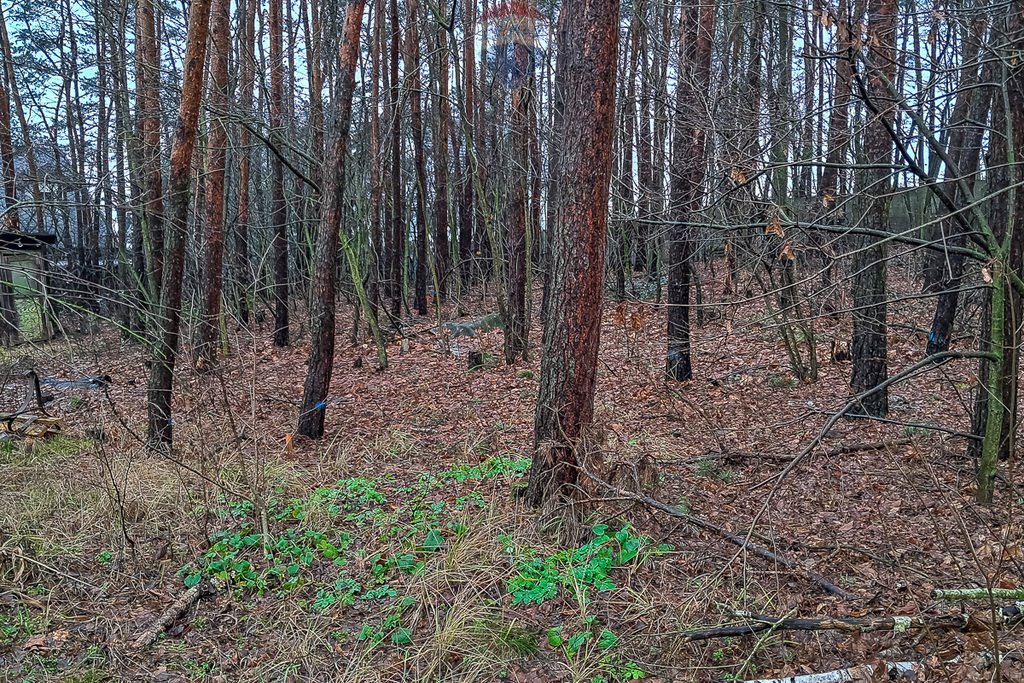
x=177 y=608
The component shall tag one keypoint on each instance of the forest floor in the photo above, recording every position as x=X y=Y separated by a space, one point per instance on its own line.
x=394 y=549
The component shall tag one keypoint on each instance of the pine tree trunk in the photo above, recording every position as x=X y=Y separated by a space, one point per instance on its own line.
x=242 y=279
x=412 y=75
x=565 y=402
x=216 y=158
x=441 y=138
x=689 y=154
x=467 y=199
x=516 y=332
x=165 y=349
x=869 y=345
x=147 y=83
x=321 y=354
x=278 y=206
x=396 y=222
x=374 y=272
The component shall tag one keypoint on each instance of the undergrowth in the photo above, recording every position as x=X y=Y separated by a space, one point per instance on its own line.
x=346 y=552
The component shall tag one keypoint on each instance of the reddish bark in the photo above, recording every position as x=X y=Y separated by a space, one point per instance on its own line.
x=321 y=354
x=161 y=378
x=216 y=156
x=565 y=402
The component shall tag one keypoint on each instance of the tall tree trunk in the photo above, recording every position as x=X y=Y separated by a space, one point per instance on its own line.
x=278 y=206
x=321 y=354
x=11 y=220
x=467 y=201
x=396 y=224
x=965 y=141
x=645 y=147
x=216 y=158
x=26 y=132
x=165 y=348
x=516 y=331
x=572 y=329
x=831 y=187
x=12 y=214
x=661 y=130
x=554 y=157
x=996 y=415
x=441 y=138
x=147 y=84
x=242 y=279
x=412 y=78
x=375 y=274
x=869 y=346
x=689 y=154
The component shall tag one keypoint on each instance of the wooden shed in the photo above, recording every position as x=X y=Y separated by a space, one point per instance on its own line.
x=24 y=297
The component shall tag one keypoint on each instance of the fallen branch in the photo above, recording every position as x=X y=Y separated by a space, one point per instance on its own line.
x=759 y=623
x=978 y=593
x=742 y=542
x=177 y=608
x=866 y=672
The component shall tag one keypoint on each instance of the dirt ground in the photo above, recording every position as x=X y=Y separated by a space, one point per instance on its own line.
x=395 y=549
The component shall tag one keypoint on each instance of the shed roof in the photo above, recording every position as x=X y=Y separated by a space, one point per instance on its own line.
x=25 y=241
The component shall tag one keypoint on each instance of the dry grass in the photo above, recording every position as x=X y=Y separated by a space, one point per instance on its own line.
x=93 y=531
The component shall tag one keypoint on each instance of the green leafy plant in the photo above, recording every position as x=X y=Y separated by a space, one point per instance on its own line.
x=358 y=497
x=344 y=593
x=243 y=558
x=603 y=642
x=492 y=467
x=585 y=568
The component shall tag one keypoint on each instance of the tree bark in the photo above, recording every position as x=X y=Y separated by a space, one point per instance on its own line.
x=147 y=84
x=997 y=397
x=278 y=206
x=165 y=348
x=396 y=222
x=9 y=327
x=26 y=133
x=321 y=354
x=516 y=331
x=869 y=345
x=441 y=138
x=689 y=152
x=965 y=141
x=565 y=402
x=412 y=77
x=374 y=273
x=216 y=157
x=242 y=279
